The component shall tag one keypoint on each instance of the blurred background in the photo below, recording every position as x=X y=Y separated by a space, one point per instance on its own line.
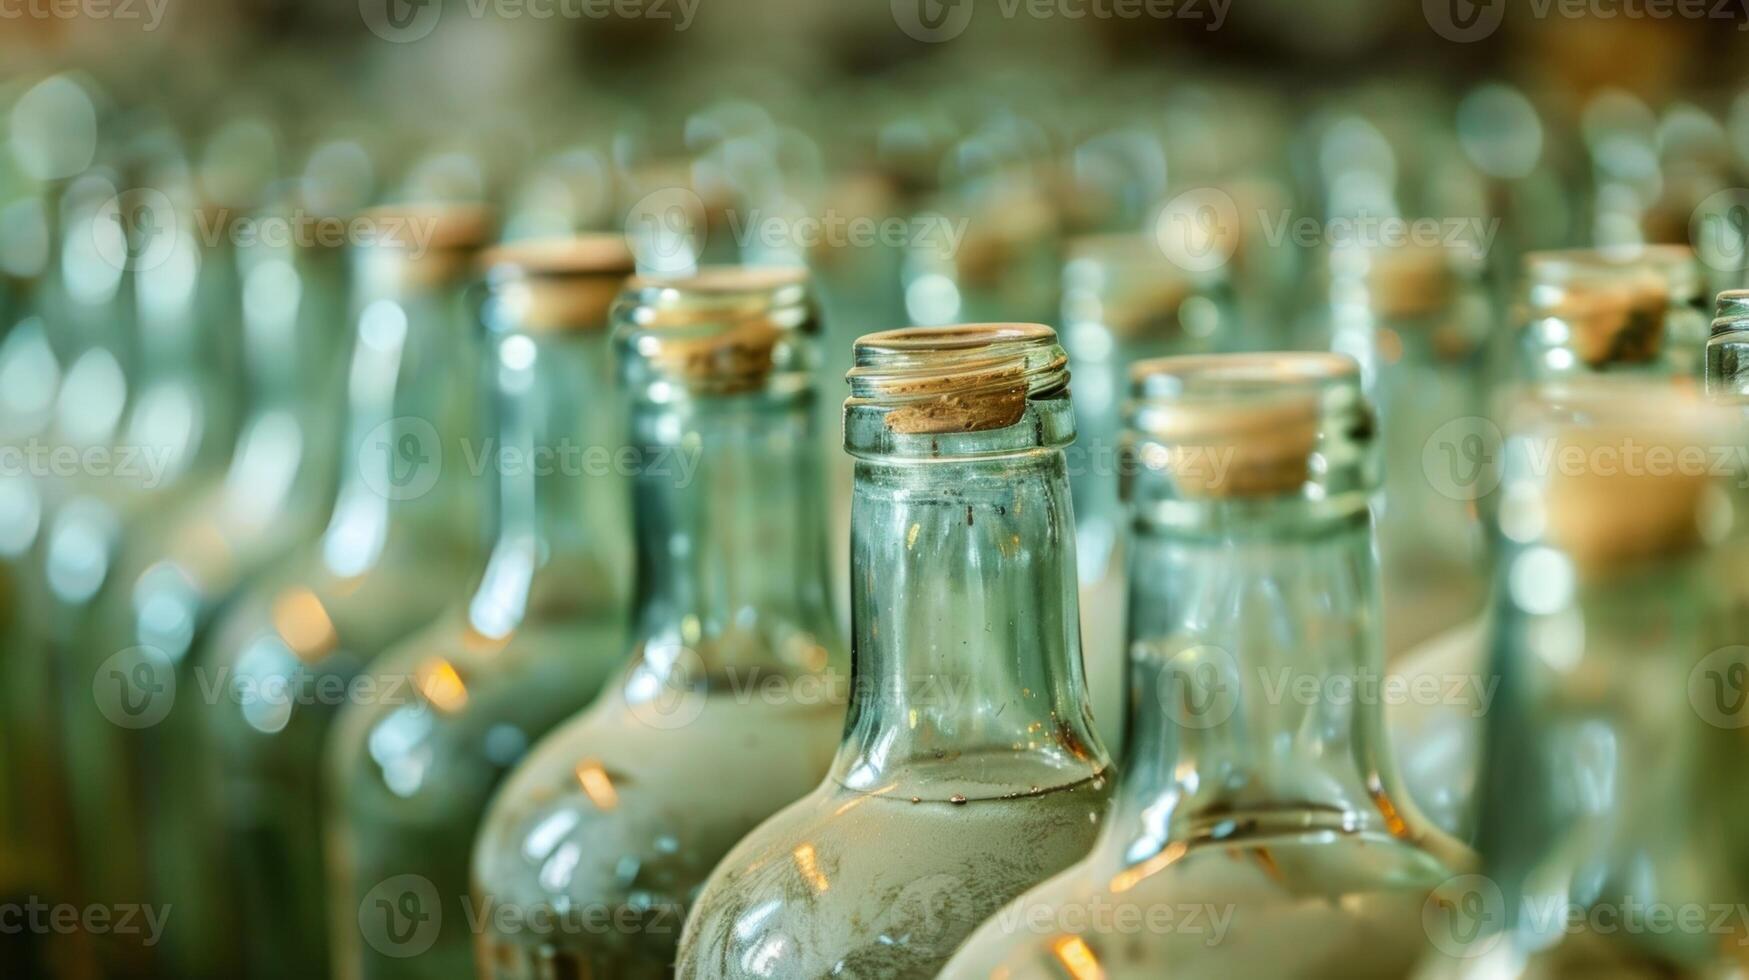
x=1148 y=176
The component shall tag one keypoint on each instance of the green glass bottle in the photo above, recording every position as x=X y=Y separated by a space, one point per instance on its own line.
x=1260 y=829
x=288 y=653
x=409 y=778
x=732 y=701
x=1608 y=825
x=180 y=572
x=969 y=769
x=1123 y=301
x=1579 y=313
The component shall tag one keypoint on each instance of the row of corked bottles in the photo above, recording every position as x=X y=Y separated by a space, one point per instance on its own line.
x=343 y=768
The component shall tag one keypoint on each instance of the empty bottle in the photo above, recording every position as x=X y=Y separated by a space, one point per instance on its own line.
x=1606 y=833
x=1260 y=829
x=969 y=769
x=288 y=654
x=732 y=701
x=410 y=778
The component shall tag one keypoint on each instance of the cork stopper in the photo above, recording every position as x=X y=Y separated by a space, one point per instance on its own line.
x=1251 y=426
x=1606 y=307
x=1407 y=282
x=973 y=377
x=722 y=330
x=1616 y=471
x=556 y=284
x=427 y=246
x=1126 y=283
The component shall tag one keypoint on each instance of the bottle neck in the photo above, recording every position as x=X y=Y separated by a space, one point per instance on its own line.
x=410 y=414
x=966 y=652
x=556 y=463
x=730 y=548
x=1255 y=682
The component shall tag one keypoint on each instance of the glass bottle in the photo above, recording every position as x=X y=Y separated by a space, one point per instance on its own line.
x=183 y=570
x=1608 y=823
x=1580 y=312
x=732 y=701
x=1123 y=301
x=969 y=769
x=288 y=653
x=1260 y=829
x=1416 y=319
x=409 y=778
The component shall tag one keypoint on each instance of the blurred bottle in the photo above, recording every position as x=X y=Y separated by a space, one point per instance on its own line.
x=1603 y=834
x=969 y=769
x=991 y=254
x=410 y=778
x=1417 y=320
x=1276 y=812
x=1580 y=313
x=288 y=653
x=1123 y=301
x=182 y=570
x=732 y=701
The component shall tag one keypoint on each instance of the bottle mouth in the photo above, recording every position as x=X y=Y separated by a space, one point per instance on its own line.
x=1606 y=307
x=966 y=378
x=1268 y=426
x=429 y=245
x=1727 y=351
x=1406 y=281
x=1618 y=471
x=721 y=330
x=557 y=285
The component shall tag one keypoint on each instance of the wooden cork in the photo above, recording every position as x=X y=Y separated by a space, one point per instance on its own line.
x=559 y=284
x=1608 y=521
x=966 y=378
x=1140 y=291
x=725 y=329
x=427 y=245
x=1218 y=451
x=1409 y=283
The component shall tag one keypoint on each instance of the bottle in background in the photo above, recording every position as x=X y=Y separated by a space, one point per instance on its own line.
x=1123 y=301
x=290 y=652
x=409 y=778
x=733 y=698
x=1607 y=826
x=969 y=769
